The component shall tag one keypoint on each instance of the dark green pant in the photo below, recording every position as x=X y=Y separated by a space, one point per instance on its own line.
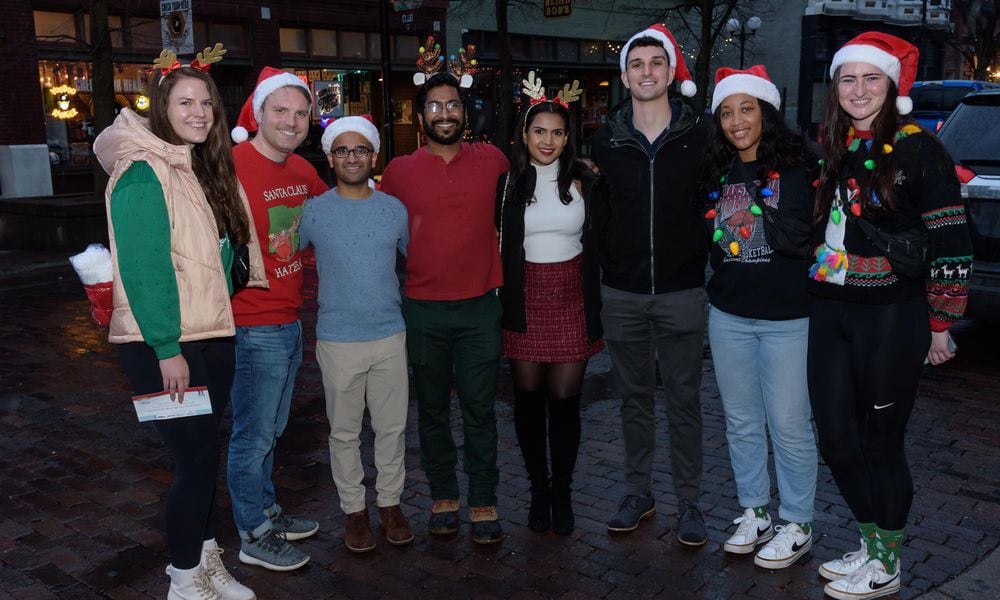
x=460 y=337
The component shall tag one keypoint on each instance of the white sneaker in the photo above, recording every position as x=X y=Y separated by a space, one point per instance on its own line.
x=839 y=568
x=870 y=581
x=223 y=582
x=190 y=584
x=789 y=543
x=752 y=530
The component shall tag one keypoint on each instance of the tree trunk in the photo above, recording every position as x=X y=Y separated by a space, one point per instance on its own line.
x=703 y=62
x=505 y=80
x=102 y=80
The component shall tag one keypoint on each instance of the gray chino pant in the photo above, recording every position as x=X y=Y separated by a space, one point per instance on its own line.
x=670 y=327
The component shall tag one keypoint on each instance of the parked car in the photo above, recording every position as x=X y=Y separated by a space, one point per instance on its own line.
x=970 y=136
x=933 y=101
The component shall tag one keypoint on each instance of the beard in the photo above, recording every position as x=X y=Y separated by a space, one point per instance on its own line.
x=448 y=140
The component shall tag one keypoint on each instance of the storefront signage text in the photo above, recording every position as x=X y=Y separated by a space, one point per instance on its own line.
x=63 y=110
x=557 y=8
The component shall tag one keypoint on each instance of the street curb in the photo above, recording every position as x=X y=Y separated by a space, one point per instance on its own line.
x=978 y=582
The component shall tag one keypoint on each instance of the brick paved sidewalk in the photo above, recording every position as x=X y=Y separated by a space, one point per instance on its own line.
x=82 y=482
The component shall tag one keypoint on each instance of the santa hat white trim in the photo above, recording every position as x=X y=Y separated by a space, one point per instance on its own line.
x=744 y=83
x=272 y=84
x=877 y=57
x=346 y=124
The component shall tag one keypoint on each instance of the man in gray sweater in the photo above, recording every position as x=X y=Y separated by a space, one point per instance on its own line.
x=360 y=334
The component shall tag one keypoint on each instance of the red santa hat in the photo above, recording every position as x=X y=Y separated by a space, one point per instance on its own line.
x=270 y=80
x=662 y=34
x=753 y=82
x=895 y=57
x=360 y=124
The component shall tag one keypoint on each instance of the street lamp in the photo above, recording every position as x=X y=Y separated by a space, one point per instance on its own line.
x=744 y=30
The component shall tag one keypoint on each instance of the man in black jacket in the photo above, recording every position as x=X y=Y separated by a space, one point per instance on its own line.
x=653 y=255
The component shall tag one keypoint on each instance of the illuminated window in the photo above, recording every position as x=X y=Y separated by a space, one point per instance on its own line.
x=324 y=42
x=50 y=26
x=293 y=40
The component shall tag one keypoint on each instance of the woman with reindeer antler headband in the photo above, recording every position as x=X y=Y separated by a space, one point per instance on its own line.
x=181 y=242
x=551 y=297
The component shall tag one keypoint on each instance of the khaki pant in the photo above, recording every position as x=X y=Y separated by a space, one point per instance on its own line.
x=355 y=375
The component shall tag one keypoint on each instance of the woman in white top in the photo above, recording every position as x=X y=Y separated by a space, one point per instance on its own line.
x=551 y=303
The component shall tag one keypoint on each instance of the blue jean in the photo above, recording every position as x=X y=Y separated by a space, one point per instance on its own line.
x=760 y=367
x=267 y=359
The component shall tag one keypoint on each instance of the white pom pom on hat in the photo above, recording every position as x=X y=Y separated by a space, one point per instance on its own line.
x=894 y=56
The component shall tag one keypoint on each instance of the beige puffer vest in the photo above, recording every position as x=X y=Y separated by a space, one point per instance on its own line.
x=194 y=240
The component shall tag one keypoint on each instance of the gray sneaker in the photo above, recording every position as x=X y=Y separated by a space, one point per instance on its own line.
x=294 y=528
x=272 y=551
x=631 y=510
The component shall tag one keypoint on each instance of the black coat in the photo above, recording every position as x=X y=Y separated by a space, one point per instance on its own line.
x=653 y=238
x=510 y=224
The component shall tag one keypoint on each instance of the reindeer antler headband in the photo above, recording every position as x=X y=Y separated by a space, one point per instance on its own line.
x=167 y=62
x=533 y=90
x=430 y=61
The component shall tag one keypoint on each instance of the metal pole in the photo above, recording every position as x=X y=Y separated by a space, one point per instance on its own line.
x=743 y=43
x=383 y=17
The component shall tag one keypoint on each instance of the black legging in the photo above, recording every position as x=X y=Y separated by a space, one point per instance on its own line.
x=194 y=441
x=864 y=365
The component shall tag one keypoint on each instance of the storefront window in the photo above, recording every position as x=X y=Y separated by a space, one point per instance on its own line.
x=55 y=27
x=114 y=24
x=375 y=45
x=231 y=35
x=324 y=42
x=293 y=41
x=353 y=43
x=145 y=33
x=67 y=102
x=406 y=47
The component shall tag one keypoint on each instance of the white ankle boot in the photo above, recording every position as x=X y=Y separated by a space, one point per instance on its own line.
x=224 y=583
x=190 y=584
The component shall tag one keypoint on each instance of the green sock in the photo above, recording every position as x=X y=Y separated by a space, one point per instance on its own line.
x=887 y=547
x=760 y=512
x=868 y=535
x=805 y=527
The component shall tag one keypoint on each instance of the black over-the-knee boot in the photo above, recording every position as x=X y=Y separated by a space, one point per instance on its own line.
x=564 y=442
x=529 y=423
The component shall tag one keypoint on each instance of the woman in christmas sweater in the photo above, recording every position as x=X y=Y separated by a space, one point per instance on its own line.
x=758 y=333
x=876 y=316
x=176 y=214
x=551 y=302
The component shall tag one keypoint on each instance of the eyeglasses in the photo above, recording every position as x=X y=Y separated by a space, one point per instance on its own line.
x=451 y=106
x=344 y=151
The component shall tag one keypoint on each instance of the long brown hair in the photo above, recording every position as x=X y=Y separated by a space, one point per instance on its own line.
x=836 y=124
x=211 y=160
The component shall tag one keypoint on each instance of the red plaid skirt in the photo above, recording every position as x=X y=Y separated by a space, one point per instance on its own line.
x=553 y=310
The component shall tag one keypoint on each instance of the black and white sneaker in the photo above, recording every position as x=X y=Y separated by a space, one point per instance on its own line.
x=752 y=531
x=788 y=545
x=870 y=581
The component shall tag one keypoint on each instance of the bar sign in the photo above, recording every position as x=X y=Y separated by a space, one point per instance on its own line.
x=557 y=8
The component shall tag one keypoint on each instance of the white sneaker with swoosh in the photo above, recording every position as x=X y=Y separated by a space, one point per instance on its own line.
x=752 y=531
x=870 y=581
x=788 y=545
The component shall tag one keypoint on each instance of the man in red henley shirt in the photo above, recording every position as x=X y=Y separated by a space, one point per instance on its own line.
x=451 y=309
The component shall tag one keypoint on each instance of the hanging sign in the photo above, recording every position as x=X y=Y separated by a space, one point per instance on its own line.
x=176 y=27
x=557 y=8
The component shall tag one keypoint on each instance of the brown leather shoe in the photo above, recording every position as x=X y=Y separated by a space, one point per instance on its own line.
x=395 y=526
x=358 y=533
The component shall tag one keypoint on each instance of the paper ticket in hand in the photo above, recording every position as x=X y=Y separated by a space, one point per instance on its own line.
x=158 y=405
